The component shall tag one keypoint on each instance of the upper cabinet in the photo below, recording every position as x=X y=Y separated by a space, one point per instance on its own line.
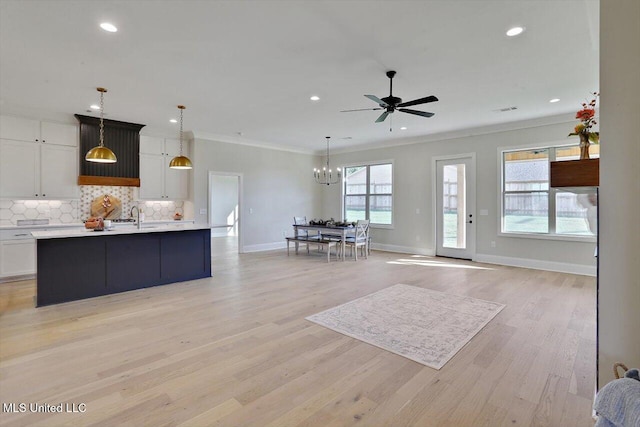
x=38 y=160
x=157 y=180
x=29 y=130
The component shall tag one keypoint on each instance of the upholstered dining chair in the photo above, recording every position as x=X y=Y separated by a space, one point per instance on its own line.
x=360 y=240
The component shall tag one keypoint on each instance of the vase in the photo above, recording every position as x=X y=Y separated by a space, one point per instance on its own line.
x=584 y=145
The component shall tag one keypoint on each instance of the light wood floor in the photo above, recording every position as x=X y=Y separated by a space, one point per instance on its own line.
x=235 y=350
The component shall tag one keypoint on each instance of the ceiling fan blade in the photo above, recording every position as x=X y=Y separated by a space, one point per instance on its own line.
x=418 y=101
x=382 y=117
x=361 y=109
x=416 y=112
x=377 y=100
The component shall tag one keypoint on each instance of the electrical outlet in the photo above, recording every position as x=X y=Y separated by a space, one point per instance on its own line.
x=417 y=211
x=250 y=210
x=203 y=211
x=417 y=238
x=493 y=243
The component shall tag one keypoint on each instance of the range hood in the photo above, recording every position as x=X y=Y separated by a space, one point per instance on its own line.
x=123 y=139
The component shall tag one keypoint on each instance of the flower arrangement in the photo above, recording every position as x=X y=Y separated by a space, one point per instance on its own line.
x=587 y=120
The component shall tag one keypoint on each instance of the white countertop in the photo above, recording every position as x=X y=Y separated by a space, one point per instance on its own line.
x=81 y=224
x=121 y=229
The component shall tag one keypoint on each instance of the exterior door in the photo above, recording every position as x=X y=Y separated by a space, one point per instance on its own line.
x=455 y=207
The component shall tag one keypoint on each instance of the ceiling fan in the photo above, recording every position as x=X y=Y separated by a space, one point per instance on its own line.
x=392 y=103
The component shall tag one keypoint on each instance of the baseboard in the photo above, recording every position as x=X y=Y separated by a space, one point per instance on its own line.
x=585 y=270
x=562 y=267
x=264 y=247
x=17 y=278
x=402 y=249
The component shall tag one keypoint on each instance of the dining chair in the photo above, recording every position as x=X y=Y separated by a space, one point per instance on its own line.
x=304 y=237
x=360 y=240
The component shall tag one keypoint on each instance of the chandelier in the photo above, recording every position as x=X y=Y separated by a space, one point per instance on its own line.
x=100 y=153
x=325 y=176
x=181 y=161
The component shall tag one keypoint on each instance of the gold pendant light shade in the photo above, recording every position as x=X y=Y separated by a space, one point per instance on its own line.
x=101 y=154
x=180 y=162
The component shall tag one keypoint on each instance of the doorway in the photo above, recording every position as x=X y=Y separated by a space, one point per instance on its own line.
x=225 y=200
x=455 y=194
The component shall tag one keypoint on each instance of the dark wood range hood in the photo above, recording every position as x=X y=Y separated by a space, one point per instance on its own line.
x=123 y=139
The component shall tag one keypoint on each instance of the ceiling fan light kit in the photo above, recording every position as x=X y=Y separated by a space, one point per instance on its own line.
x=392 y=103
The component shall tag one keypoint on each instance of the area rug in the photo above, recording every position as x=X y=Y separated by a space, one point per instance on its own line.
x=426 y=326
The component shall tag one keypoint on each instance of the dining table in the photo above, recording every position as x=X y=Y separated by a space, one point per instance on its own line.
x=338 y=231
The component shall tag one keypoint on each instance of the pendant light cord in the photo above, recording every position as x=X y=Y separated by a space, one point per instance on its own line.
x=327 y=152
x=181 y=111
x=101 y=119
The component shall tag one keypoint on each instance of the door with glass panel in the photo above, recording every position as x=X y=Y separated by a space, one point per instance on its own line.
x=455 y=207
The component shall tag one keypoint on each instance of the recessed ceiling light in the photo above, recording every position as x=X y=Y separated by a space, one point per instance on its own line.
x=173 y=121
x=107 y=26
x=554 y=100
x=514 y=31
x=315 y=98
x=95 y=107
x=403 y=128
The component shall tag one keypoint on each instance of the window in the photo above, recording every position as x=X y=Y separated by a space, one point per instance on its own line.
x=368 y=193
x=529 y=205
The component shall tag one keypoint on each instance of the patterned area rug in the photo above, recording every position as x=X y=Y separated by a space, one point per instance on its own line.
x=426 y=326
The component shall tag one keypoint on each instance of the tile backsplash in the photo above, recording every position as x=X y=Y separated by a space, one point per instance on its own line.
x=75 y=211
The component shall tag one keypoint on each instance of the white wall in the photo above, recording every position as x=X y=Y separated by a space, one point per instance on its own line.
x=277 y=185
x=413 y=190
x=619 y=275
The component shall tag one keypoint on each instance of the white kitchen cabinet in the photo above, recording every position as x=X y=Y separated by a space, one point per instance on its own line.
x=157 y=180
x=19 y=169
x=151 y=177
x=17 y=257
x=59 y=134
x=59 y=172
x=17 y=252
x=33 y=170
x=19 y=129
x=38 y=159
x=151 y=145
x=30 y=130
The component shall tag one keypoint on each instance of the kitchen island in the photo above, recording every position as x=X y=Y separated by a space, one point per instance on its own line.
x=74 y=264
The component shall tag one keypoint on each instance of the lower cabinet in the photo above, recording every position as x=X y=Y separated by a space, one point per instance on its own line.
x=17 y=257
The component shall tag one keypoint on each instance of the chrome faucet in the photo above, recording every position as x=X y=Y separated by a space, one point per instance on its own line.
x=137 y=216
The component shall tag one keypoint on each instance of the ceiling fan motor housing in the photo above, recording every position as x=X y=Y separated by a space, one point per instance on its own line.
x=391 y=101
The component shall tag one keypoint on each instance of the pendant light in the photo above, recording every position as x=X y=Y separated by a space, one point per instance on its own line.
x=101 y=154
x=181 y=162
x=325 y=175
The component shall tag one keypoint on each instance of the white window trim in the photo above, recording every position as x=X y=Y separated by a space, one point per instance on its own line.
x=552 y=192
x=393 y=183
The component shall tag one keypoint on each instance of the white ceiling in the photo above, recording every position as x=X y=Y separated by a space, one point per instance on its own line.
x=250 y=67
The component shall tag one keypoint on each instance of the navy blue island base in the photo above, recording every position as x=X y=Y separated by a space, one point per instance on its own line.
x=75 y=268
